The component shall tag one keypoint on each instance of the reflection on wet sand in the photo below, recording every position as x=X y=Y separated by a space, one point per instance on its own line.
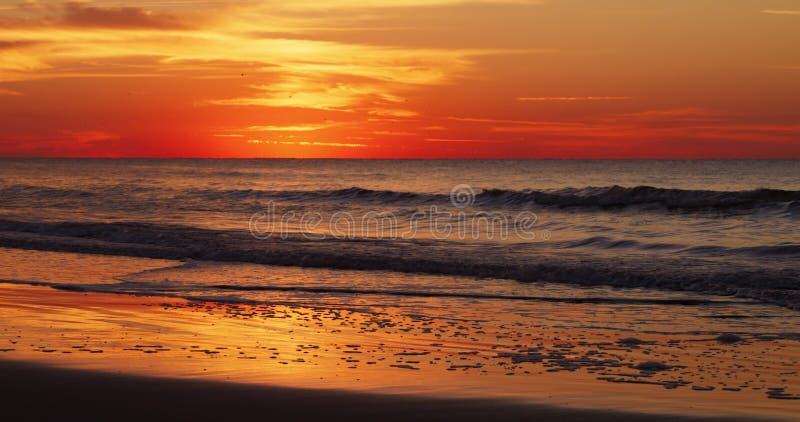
x=580 y=355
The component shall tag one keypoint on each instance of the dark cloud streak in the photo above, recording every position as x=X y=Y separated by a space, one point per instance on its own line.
x=80 y=15
x=10 y=45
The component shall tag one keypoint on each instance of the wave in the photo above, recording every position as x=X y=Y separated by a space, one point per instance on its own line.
x=613 y=197
x=482 y=296
x=605 y=242
x=352 y=194
x=588 y=198
x=618 y=197
x=775 y=280
x=42 y=192
x=764 y=251
x=182 y=291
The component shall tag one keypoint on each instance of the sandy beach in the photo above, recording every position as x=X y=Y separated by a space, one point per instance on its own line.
x=41 y=391
x=156 y=353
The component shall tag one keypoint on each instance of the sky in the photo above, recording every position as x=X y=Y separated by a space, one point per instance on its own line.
x=401 y=78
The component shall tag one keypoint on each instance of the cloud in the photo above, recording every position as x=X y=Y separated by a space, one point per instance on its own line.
x=9 y=45
x=393 y=112
x=300 y=93
x=307 y=143
x=781 y=12
x=326 y=5
x=784 y=67
x=81 y=15
x=507 y=121
x=459 y=140
x=63 y=142
x=674 y=115
x=291 y=128
x=570 y=99
x=89 y=136
x=276 y=73
x=9 y=92
x=662 y=127
x=369 y=79
x=393 y=133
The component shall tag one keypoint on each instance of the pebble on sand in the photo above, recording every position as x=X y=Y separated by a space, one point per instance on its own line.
x=652 y=366
x=729 y=338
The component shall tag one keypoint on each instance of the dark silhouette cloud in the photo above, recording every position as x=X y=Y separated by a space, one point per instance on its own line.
x=8 y=45
x=78 y=14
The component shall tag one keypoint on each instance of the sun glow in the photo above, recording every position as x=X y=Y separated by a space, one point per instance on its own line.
x=186 y=79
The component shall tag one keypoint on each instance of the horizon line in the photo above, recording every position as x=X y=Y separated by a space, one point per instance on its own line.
x=409 y=158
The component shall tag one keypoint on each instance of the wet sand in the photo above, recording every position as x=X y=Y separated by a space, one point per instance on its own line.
x=453 y=341
x=388 y=361
x=41 y=392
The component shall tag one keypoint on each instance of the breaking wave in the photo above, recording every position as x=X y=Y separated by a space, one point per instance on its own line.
x=768 y=273
x=581 y=199
x=585 y=198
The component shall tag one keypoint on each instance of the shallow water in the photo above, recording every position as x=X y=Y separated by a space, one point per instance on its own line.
x=724 y=227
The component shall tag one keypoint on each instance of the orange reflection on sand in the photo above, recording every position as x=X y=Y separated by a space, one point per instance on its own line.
x=329 y=348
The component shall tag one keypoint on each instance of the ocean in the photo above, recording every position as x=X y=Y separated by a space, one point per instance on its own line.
x=365 y=232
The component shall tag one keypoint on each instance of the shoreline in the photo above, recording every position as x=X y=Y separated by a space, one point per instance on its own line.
x=416 y=355
x=176 y=242
x=42 y=391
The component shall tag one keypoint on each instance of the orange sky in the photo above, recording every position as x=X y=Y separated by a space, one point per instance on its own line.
x=401 y=78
